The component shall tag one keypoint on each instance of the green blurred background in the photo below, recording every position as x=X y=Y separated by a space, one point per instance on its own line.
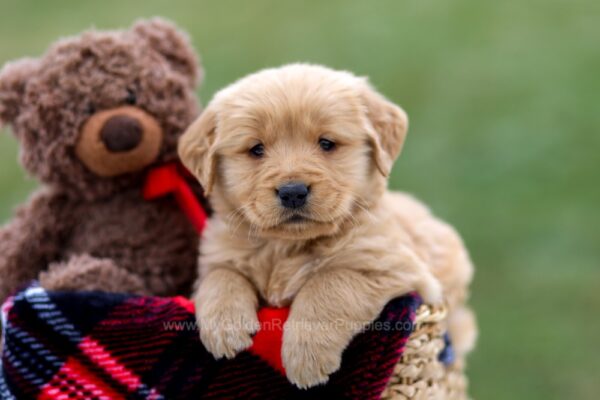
x=504 y=100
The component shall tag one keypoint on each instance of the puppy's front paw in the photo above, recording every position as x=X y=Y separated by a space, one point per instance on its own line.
x=308 y=357
x=228 y=330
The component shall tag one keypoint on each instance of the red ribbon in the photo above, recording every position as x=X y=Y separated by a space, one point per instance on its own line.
x=170 y=179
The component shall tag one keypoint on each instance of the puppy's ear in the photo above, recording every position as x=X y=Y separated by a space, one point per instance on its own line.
x=196 y=149
x=13 y=81
x=389 y=125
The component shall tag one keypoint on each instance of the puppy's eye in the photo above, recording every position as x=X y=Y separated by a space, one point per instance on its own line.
x=326 y=145
x=257 y=151
x=131 y=98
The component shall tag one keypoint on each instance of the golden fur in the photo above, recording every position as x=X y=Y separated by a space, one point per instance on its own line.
x=357 y=246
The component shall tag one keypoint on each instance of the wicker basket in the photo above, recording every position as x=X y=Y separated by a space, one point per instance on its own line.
x=419 y=373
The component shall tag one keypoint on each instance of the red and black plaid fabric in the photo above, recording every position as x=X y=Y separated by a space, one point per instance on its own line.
x=91 y=345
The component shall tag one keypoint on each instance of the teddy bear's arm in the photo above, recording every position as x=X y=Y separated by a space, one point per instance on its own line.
x=85 y=272
x=31 y=240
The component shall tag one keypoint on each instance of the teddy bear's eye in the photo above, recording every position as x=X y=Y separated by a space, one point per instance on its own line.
x=90 y=109
x=131 y=98
x=257 y=151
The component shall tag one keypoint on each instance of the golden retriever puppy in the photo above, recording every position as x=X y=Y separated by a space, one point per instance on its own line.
x=295 y=160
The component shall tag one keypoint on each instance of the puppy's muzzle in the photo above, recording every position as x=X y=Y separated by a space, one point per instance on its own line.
x=293 y=195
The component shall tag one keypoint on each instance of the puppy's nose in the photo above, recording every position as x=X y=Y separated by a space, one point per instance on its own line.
x=121 y=133
x=293 y=194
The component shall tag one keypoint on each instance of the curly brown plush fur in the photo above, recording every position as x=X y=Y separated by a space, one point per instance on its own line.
x=83 y=230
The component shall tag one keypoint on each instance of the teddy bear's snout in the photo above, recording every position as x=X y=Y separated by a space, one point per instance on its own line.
x=119 y=141
x=121 y=133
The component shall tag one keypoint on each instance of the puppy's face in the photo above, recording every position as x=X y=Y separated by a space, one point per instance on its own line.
x=294 y=152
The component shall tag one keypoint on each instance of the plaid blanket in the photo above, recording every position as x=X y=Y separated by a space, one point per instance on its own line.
x=92 y=345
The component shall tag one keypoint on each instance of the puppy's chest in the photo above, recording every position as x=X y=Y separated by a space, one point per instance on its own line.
x=278 y=276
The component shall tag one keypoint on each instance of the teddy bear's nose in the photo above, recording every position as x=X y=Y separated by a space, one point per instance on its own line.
x=121 y=133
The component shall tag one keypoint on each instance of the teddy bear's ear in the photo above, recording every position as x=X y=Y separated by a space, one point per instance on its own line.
x=173 y=44
x=13 y=80
x=387 y=128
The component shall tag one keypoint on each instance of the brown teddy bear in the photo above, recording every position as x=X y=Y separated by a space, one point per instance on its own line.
x=93 y=116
